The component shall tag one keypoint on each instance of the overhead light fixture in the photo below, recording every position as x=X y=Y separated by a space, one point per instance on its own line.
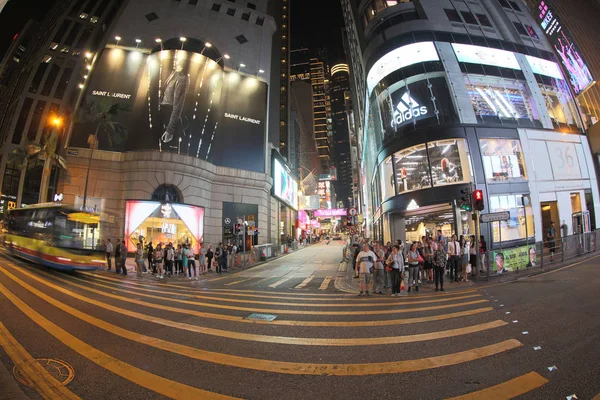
x=182 y=39
x=138 y=40
x=88 y=66
x=260 y=71
x=226 y=56
x=85 y=77
x=117 y=38
x=158 y=40
x=88 y=55
x=207 y=44
x=242 y=65
x=81 y=86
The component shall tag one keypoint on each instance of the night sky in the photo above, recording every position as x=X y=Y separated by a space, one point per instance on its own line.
x=318 y=23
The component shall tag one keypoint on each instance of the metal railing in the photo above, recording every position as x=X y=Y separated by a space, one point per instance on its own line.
x=535 y=255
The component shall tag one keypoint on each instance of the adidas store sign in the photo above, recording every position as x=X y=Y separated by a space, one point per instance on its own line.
x=406 y=110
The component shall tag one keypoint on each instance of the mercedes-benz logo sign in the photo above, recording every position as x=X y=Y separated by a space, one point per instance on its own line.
x=227 y=221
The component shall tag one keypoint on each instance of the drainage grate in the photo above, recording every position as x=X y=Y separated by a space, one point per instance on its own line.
x=261 y=317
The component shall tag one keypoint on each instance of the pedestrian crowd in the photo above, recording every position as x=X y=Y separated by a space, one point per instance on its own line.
x=382 y=267
x=168 y=259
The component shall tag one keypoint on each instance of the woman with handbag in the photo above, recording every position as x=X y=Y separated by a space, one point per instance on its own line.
x=428 y=256
x=413 y=267
x=395 y=266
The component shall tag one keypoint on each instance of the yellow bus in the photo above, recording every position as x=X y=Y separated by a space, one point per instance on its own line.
x=56 y=236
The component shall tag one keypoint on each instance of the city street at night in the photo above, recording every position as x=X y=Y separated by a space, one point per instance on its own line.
x=107 y=336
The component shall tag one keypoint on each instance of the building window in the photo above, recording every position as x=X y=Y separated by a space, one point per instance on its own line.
x=514 y=5
x=231 y=11
x=252 y=6
x=246 y=16
x=151 y=16
x=216 y=7
x=520 y=224
x=449 y=162
x=503 y=160
x=20 y=126
x=241 y=39
x=468 y=17
x=94 y=19
x=483 y=20
x=531 y=32
x=83 y=16
x=520 y=28
x=452 y=15
x=387 y=179
x=10 y=183
x=37 y=78
x=559 y=104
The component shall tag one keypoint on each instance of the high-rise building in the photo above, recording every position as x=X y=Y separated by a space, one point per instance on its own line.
x=340 y=101
x=300 y=65
x=321 y=112
x=453 y=96
x=576 y=21
x=190 y=143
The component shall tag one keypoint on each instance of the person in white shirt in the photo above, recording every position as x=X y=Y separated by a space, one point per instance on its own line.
x=455 y=255
x=109 y=250
x=365 y=263
x=189 y=253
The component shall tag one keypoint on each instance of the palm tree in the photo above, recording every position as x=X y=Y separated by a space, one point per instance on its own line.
x=102 y=113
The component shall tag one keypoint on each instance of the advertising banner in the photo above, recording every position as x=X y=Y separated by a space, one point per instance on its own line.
x=309 y=202
x=512 y=259
x=568 y=52
x=413 y=106
x=176 y=101
x=284 y=186
x=334 y=212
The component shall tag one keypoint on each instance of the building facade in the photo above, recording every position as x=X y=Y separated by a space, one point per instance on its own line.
x=187 y=155
x=457 y=95
x=340 y=101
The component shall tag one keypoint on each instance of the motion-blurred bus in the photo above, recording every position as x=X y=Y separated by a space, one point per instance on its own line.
x=56 y=236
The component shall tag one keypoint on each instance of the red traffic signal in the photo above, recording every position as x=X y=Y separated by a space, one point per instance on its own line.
x=478 y=200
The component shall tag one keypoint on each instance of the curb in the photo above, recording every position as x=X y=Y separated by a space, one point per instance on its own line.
x=10 y=388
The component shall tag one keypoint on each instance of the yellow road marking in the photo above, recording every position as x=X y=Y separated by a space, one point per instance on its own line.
x=369 y=341
x=304 y=282
x=275 y=303
x=179 y=310
x=274 y=295
x=138 y=376
x=565 y=267
x=44 y=383
x=300 y=312
x=282 y=367
x=507 y=390
x=236 y=282
x=279 y=282
x=324 y=287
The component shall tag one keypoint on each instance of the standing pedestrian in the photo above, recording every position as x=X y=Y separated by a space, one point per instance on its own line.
x=234 y=250
x=428 y=260
x=454 y=251
x=395 y=264
x=365 y=262
x=109 y=250
x=465 y=251
x=549 y=240
x=379 y=270
x=139 y=260
x=439 y=265
x=177 y=260
x=124 y=257
x=209 y=256
x=482 y=253
x=202 y=259
x=223 y=258
x=158 y=260
x=118 y=257
x=170 y=258
x=151 y=265
x=413 y=267
x=191 y=266
x=473 y=256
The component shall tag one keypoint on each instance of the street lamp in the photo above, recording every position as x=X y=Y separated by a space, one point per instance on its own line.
x=118 y=39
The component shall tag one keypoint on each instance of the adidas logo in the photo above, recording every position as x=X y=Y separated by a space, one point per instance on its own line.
x=407 y=109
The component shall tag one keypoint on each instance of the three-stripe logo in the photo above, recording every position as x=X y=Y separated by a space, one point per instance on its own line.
x=407 y=109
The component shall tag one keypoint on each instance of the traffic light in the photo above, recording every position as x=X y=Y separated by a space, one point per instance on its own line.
x=478 y=200
x=237 y=229
x=465 y=200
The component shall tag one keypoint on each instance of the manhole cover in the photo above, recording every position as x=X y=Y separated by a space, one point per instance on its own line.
x=261 y=317
x=60 y=370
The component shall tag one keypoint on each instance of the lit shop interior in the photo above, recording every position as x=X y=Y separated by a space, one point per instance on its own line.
x=156 y=222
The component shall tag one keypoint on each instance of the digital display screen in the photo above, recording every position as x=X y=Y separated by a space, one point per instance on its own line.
x=544 y=67
x=284 y=186
x=485 y=55
x=568 y=52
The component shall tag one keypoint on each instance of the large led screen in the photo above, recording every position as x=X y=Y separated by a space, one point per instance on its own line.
x=176 y=101
x=284 y=186
x=567 y=51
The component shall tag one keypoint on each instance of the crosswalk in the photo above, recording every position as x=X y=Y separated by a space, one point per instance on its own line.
x=134 y=332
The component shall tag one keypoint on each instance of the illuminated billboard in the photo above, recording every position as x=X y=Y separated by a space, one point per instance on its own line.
x=177 y=101
x=569 y=54
x=485 y=55
x=284 y=186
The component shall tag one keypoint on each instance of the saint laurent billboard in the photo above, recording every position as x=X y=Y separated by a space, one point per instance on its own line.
x=177 y=101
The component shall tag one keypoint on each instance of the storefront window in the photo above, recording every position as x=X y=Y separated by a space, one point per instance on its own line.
x=503 y=160
x=560 y=104
x=499 y=99
x=449 y=162
x=520 y=224
x=387 y=179
x=412 y=169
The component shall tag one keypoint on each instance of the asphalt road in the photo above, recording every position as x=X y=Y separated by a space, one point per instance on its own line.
x=132 y=338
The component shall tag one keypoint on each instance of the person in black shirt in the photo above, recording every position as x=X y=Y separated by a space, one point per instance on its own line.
x=151 y=265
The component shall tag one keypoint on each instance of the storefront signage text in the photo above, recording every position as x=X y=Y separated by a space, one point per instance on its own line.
x=111 y=94
x=243 y=119
x=335 y=212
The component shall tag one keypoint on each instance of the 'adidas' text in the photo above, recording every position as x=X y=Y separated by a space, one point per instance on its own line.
x=407 y=109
